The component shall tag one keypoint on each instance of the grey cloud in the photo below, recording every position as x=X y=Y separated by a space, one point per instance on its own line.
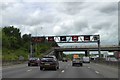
x=4 y=6
x=64 y=18
x=103 y=25
x=73 y=27
x=110 y=8
x=20 y=14
x=71 y=8
x=80 y=25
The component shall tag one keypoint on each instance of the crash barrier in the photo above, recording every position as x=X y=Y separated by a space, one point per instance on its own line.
x=109 y=63
x=12 y=62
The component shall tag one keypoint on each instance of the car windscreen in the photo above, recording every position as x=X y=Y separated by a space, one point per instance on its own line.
x=33 y=59
x=47 y=59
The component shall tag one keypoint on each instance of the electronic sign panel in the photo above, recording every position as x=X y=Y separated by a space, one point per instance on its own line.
x=50 y=39
x=86 y=38
x=74 y=38
x=95 y=38
x=62 y=38
x=38 y=39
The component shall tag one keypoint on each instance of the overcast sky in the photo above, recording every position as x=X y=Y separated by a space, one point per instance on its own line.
x=62 y=18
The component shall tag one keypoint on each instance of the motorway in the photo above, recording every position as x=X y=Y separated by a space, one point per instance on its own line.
x=89 y=70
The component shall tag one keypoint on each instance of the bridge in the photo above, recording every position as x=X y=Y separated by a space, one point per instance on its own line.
x=89 y=48
x=58 y=51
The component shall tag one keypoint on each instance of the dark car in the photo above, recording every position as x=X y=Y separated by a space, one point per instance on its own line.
x=49 y=62
x=33 y=61
x=77 y=61
x=64 y=60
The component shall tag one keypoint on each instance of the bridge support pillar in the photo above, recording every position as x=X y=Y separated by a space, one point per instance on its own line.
x=99 y=51
x=86 y=53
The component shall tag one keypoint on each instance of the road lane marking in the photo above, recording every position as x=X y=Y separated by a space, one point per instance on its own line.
x=89 y=67
x=97 y=72
x=29 y=70
x=63 y=71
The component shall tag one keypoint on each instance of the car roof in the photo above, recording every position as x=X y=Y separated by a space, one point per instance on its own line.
x=49 y=56
x=33 y=58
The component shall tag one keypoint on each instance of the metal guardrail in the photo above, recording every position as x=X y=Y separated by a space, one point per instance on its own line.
x=108 y=63
x=12 y=62
x=90 y=46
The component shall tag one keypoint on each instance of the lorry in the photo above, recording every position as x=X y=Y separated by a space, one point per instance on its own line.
x=77 y=60
x=75 y=56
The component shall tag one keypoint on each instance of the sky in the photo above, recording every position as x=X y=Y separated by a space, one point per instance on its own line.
x=63 y=18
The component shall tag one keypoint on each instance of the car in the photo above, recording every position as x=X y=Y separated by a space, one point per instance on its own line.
x=77 y=61
x=64 y=60
x=86 y=59
x=49 y=62
x=33 y=61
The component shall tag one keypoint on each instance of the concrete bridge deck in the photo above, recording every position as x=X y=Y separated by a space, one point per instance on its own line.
x=84 y=48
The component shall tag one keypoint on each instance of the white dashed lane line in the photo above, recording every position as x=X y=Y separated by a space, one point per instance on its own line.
x=89 y=67
x=63 y=71
x=29 y=70
x=97 y=72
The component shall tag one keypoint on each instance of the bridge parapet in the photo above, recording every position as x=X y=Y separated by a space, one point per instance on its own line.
x=90 y=46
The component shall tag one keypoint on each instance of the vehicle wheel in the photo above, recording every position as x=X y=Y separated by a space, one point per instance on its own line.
x=41 y=68
x=81 y=64
x=28 y=64
x=72 y=64
x=56 y=67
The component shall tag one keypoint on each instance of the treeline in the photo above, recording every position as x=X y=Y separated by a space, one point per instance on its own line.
x=15 y=45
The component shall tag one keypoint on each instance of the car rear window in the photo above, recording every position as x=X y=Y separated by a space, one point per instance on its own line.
x=33 y=59
x=46 y=58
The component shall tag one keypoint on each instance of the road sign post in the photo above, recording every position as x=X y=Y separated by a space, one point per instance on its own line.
x=99 y=51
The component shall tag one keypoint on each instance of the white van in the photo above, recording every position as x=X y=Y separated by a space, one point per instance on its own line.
x=86 y=59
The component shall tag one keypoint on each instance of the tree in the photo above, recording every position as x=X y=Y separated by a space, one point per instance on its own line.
x=11 y=37
x=13 y=45
x=26 y=38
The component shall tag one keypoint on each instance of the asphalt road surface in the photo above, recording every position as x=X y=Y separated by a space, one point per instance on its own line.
x=88 y=70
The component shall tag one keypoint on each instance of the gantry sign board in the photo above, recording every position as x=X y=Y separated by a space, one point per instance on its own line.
x=67 y=39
